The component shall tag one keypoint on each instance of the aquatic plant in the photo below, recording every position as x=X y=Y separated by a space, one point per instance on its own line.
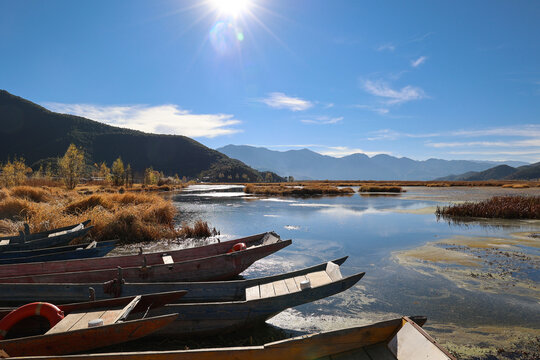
x=503 y=207
x=391 y=189
x=296 y=190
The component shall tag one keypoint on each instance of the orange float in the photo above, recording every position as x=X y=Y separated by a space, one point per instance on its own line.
x=238 y=247
x=49 y=311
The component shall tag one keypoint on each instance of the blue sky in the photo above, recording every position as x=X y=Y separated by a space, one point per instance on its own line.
x=450 y=80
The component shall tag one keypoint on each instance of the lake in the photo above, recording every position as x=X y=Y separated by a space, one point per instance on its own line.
x=414 y=263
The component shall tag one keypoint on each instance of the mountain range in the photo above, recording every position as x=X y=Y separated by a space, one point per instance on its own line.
x=36 y=134
x=305 y=164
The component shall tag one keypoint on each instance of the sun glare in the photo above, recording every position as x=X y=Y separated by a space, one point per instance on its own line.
x=232 y=8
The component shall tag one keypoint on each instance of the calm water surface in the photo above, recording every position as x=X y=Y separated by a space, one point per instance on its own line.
x=369 y=230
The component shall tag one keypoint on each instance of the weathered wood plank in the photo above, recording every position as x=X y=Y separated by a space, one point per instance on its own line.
x=83 y=322
x=110 y=316
x=66 y=323
x=291 y=285
x=298 y=280
x=253 y=293
x=359 y=354
x=280 y=287
x=319 y=278
x=267 y=290
x=381 y=352
x=333 y=271
x=410 y=342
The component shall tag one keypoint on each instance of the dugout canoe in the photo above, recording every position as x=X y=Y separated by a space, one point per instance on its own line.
x=70 y=252
x=212 y=307
x=45 y=239
x=204 y=263
x=73 y=334
x=401 y=339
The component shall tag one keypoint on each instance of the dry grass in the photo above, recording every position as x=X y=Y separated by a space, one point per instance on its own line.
x=15 y=209
x=31 y=193
x=297 y=190
x=503 y=207
x=200 y=229
x=496 y=183
x=516 y=186
x=128 y=216
x=385 y=189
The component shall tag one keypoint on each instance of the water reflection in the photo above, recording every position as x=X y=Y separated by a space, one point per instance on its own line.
x=371 y=230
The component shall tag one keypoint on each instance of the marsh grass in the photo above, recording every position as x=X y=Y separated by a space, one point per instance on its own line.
x=297 y=190
x=385 y=189
x=502 y=207
x=200 y=229
x=31 y=193
x=128 y=216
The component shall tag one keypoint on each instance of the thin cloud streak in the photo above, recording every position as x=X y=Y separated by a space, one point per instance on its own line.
x=278 y=100
x=160 y=119
x=382 y=89
x=419 y=61
x=322 y=120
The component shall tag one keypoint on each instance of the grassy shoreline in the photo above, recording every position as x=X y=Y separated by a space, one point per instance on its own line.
x=133 y=215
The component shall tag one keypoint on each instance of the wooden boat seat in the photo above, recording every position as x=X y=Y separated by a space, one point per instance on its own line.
x=79 y=320
x=286 y=286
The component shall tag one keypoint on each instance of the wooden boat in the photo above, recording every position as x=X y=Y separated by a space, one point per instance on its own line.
x=70 y=252
x=209 y=307
x=45 y=239
x=210 y=262
x=401 y=339
x=74 y=333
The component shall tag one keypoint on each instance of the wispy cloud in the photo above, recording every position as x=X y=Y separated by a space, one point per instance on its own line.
x=322 y=120
x=279 y=100
x=341 y=151
x=376 y=109
x=382 y=89
x=419 y=61
x=519 y=143
x=334 y=151
x=161 y=119
x=388 y=134
x=386 y=47
x=522 y=130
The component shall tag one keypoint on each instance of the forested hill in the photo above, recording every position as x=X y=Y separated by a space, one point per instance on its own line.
x=35 y=133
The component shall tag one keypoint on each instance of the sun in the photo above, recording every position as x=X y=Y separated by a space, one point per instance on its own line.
x=232 y=8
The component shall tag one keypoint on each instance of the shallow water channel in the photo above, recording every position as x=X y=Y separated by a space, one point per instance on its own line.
x=384 y=236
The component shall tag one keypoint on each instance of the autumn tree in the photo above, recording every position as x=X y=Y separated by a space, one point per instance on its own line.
x=71 y=166
x=118 y=172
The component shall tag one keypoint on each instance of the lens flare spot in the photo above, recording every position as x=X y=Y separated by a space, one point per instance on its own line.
x=225 y=37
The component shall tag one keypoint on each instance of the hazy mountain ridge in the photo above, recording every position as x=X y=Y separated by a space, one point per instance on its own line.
x=35 y=133
x=501 y=172
x=307 y=164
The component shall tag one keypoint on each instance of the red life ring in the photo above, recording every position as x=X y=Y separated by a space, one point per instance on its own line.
x=237 y=247
x=49 y=311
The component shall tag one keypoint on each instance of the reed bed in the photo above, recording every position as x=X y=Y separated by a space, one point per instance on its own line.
x=502 y=207
x=300 y=191
x=130 y=216
x=384 y=189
